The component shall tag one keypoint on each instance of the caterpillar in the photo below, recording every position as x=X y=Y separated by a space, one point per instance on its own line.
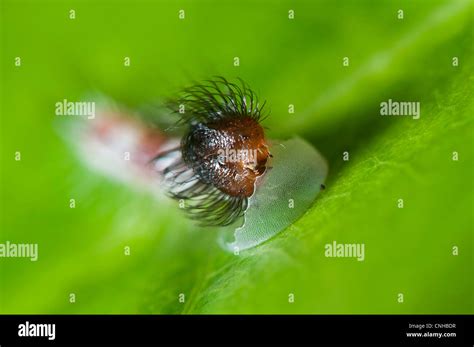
x=221 y=168
x=222 y=152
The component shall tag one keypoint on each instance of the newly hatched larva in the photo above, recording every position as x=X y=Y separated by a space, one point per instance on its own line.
x=223 y=170
x=222 y=153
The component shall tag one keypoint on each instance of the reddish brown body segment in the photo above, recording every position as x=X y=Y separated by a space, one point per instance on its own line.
x=230 y=153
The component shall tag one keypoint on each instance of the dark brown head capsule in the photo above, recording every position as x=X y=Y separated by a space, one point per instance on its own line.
x=229 y=154
x=223 y=151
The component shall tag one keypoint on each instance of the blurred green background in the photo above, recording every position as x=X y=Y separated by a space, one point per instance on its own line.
x=298 y=62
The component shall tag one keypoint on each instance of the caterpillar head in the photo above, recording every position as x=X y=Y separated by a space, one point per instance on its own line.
x=222 y=152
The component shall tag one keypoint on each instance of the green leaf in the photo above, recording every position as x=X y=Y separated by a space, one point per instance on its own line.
x=408 y=250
